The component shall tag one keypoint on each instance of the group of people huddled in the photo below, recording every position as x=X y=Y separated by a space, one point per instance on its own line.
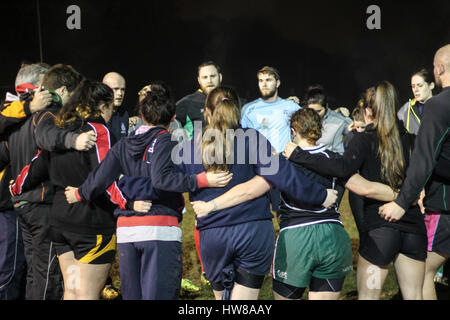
x=82 y=181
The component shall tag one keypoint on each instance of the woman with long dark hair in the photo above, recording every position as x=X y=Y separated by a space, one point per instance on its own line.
x=381 y=154
x=84 y=233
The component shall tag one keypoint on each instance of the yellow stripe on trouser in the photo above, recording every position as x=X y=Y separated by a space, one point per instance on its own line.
x=93 y=254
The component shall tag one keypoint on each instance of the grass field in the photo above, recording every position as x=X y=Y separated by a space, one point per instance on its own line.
x=192 y=270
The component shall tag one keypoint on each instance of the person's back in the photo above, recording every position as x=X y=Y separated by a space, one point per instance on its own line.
x=367 y=143
x=136 y=155
x=251 y=156
x=294 y=213
x=71 y=168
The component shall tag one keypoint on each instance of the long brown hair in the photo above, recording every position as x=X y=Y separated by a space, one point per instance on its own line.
x=390 y=146
x=84 y=102
x=217 y=145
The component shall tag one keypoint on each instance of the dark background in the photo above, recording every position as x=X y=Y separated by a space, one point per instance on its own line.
x=310 y=42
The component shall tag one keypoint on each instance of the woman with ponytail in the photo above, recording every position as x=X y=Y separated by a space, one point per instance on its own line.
x=381 y=154
x=83 y=233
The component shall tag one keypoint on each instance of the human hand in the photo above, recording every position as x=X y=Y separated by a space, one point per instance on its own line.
x=290 y=147
x=344 y=111
x=11 y=184
x=331 y=198
x=143 y=92
x=85 y=141
x=70 y=193
x=218 y=180
x=420 y=202
x=142 y=206
x=391 y=212
x=351 y=127
x=202 y=208
x=132 y=121
x=41 y=100
x=295 y=99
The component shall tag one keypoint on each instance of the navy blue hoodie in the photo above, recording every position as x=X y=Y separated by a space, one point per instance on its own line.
x=147 y=156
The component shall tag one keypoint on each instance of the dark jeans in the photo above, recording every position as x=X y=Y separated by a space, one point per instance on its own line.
x=44 y=278
x=12 y=259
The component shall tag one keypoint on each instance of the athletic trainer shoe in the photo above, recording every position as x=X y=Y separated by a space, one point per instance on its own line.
x=110 y=293
x=188 y=286
x=204 y=281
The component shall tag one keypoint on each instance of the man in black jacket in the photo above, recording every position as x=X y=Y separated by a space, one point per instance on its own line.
x=191 y=107
x=432 y=145
x=118 y=125
x=39 y=131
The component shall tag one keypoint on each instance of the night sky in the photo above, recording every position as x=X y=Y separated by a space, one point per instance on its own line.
x=310 y=42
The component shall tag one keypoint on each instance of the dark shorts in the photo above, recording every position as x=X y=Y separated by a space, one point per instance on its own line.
x=247 y=247
x=438 y=232
x=382 y=245
x=89 y=249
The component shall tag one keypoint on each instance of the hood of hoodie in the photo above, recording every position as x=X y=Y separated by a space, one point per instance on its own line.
x=138 y=144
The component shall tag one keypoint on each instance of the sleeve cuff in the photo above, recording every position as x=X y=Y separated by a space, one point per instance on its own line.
x=77 y=195
x=202 y=181
x=401 y=204
x=69 y=140
x=26 y=108
x=295 y=153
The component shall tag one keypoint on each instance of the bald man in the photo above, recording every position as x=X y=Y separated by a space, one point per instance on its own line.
x=432 y=146
x=118 y=125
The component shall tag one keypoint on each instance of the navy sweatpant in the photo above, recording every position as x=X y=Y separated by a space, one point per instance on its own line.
x=150 y=270
x=12 y=258
x=44 y=278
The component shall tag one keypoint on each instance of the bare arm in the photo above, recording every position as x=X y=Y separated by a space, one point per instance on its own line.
x=243 y=192
x=369 y=189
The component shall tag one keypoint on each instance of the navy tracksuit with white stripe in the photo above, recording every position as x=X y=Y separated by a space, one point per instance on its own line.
x=12 y=258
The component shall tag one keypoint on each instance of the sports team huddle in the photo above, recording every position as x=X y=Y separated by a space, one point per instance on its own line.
x=83 y=182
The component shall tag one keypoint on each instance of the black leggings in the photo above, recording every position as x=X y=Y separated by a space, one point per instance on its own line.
x=317 y=285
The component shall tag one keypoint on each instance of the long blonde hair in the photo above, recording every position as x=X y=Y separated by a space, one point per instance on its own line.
x=217 y=143
x=390 y=146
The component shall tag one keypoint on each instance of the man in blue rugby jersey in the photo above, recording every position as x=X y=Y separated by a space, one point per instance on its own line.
x=270 y=115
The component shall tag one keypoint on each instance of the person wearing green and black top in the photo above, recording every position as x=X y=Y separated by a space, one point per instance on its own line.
x=191 y=107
